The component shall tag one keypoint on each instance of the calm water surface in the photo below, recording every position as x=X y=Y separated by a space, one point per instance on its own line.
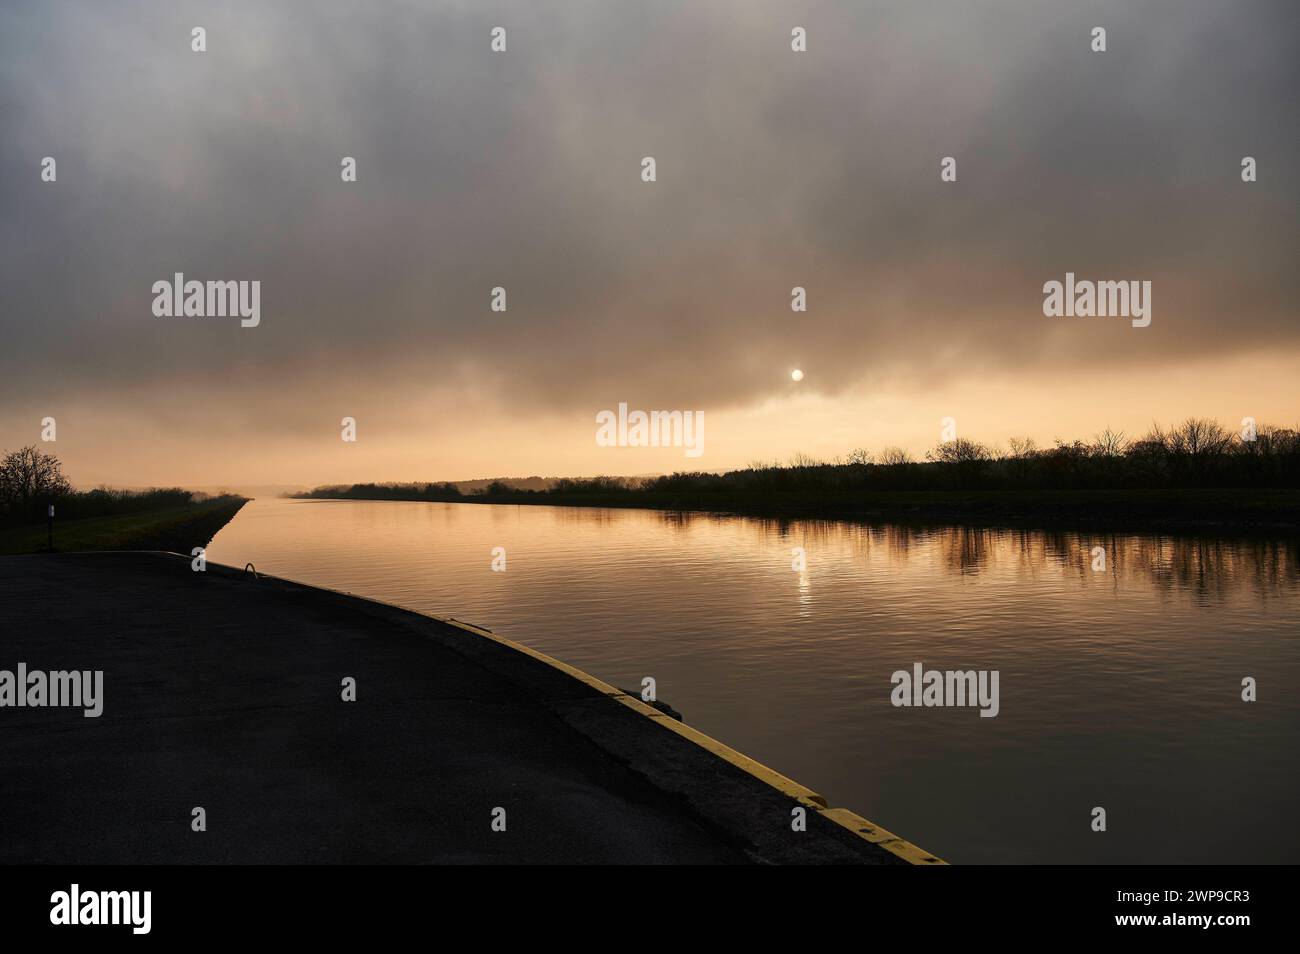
x=1118 y=689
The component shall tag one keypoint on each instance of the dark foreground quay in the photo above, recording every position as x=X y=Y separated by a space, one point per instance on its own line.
x=225 y=692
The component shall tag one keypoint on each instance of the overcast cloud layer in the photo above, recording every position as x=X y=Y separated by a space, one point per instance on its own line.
x=522 y=170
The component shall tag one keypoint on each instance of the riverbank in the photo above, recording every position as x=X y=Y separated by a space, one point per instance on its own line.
x=176 y=529
x=226 y=692
x=1215 y=511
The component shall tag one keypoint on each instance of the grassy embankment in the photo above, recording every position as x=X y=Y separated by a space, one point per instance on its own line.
x=179 y=528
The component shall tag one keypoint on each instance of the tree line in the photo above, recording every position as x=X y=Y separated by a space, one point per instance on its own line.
x=31 y=480
x=1198 y=453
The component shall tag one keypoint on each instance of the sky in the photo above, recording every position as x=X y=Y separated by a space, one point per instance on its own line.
x=523 y=169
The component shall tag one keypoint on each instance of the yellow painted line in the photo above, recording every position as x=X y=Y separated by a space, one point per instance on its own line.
x=602 y=687
x=869 y=831
x=805 y=796
x=760 y=771
x=864 y=829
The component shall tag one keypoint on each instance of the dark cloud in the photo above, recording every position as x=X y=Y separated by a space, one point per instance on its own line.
x=775 y=169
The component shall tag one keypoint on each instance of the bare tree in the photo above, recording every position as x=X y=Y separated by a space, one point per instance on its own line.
x=859 y=455
x=1272 y=441
x=1198 y=437
x=1195 y=448
x=966 y=459
x=959 y=451
x=1110 y=444
x=894 y=457
x=28 y=473
x=1156 y=438
x=1021 y=447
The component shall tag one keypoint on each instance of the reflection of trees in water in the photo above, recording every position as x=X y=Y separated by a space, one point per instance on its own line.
x=599 y=516
x=967 y=550
x=1213 y=568
x=1209 y=568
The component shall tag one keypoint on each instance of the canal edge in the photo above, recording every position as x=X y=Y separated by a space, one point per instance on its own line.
x=845 y=818
x=851 y=822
